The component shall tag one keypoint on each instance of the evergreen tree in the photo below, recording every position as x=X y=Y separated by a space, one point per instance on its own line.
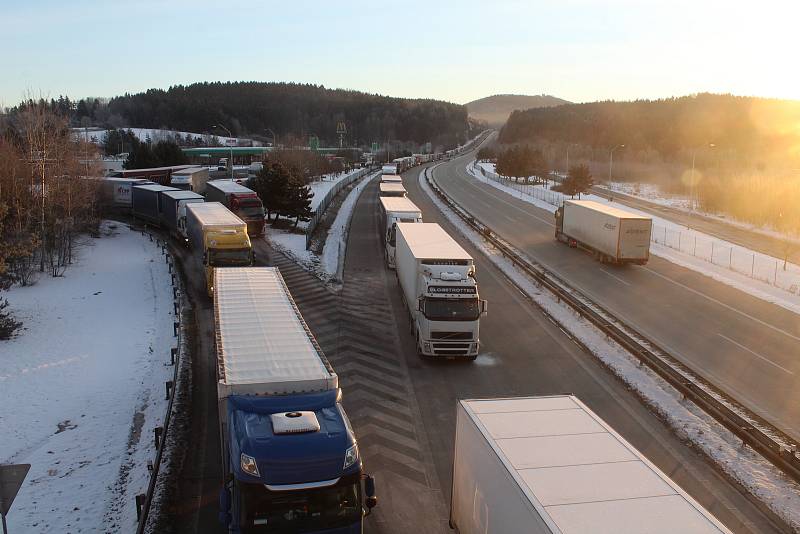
x=299 y=200
x=578 y=180
x=271 y=184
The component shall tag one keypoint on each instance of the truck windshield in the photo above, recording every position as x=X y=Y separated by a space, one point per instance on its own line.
x=254 y=212
x=300 y=511
x=235 y=257
x=452 y=309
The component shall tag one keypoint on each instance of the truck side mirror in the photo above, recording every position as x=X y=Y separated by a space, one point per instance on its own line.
x=420 y=305
x=205 y=258
x=484 y=307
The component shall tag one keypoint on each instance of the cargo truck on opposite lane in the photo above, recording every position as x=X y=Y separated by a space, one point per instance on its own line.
x=290 y=458
x=437 y=280
x=613 y=235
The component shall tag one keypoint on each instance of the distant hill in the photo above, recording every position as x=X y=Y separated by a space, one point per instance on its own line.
x=496 y=109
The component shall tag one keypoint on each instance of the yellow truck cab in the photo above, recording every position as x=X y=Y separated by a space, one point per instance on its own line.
x=220 y=235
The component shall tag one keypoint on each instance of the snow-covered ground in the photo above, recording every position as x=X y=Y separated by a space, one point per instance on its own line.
x=763 y=480
x=652 y=193
x=96 y=135
x=325 y=183
x=328 y=267
x=83 y=385
x=752 y=272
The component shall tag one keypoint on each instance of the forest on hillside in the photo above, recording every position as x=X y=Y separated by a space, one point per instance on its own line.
x=747 y=129
x=294 y=111
x=737 y=156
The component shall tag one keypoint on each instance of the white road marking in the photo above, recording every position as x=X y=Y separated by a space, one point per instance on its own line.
x=754 y=353
x=615 y=277
x=729 y=307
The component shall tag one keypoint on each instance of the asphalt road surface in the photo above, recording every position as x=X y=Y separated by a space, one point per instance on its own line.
x=523 y=354
x=744 y=345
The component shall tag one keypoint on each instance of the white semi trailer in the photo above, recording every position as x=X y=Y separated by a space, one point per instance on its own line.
x=437 y=278
x=391 y=179
x=396 y=210
x=613 y=235
x=391 y=190
x=549 y=465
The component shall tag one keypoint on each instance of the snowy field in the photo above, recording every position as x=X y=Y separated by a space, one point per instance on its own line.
x=329 y=266
x=752 y=272
x=652 y=193
x=83 y=385
x=155 y=135
x=755 y=473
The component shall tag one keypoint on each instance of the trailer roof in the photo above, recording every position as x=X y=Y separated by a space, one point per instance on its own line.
x=229 y=186
x=262 y=340
x=581 y=475
x=214 y=214
x=182 y=194
x=391 y=178
x=430 y=241
x=392 y=187
x=190 y=170
x=398 y=204
x=155 y=187
x=605 y=208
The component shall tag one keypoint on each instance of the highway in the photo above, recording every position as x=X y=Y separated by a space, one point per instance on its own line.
x=746 y=346
x=403 y=408
x=523 y=354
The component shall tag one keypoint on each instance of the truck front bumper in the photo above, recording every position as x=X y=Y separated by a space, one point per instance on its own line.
x=451 y=349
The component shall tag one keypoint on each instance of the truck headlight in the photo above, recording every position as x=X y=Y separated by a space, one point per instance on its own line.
x=350 y=456
x=426 y=346
x=249 y=465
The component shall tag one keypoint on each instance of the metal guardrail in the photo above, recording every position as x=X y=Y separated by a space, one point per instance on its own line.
x=753 y=430
x=145 y=500
x=326 y=201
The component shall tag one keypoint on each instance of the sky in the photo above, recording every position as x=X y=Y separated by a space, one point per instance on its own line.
x=579 y=50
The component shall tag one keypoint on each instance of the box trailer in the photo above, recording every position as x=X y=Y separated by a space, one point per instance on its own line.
x=396 y=210
x=613 y=235
x=173 y=213
x=146 y=202
x=549 y=465
x=437 y=280
x=290 y=458
x=242 y=201
x=190 y=179
x=389 y=169
x=391 y=179
x=118 y=192
x=391 y=190
x=218 y=237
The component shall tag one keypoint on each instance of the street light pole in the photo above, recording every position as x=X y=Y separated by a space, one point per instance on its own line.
x=230 y=136
x=611 y=161
x=691 y=178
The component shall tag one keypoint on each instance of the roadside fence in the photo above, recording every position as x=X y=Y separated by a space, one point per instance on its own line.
x=776 y=272
x=144 y=500
x=536 y=191
x=785 y=276
x=326 y=201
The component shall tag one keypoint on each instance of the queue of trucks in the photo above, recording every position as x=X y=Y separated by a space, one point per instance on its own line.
x=290 y=459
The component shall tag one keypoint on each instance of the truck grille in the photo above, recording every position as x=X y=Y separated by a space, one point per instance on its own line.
x=451 y=349
x=452 y=335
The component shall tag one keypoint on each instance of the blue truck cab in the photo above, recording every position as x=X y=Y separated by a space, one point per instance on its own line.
x=290 y=458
